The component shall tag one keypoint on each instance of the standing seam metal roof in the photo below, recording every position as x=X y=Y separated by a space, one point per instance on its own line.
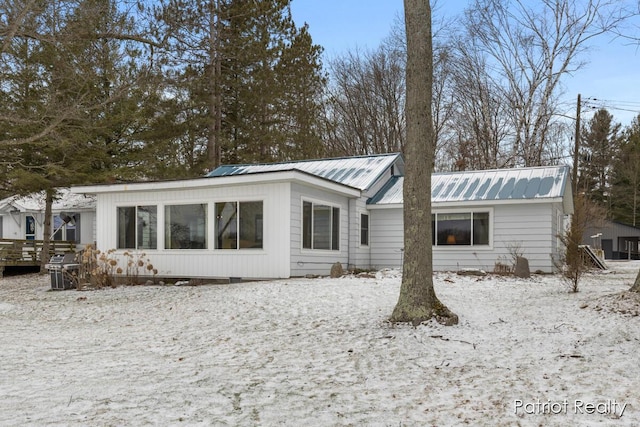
x=498 y=184
x=359 y=172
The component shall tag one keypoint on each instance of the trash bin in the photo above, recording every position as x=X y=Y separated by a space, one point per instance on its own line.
x=61 y=269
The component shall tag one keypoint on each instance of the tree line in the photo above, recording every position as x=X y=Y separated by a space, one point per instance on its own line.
x=118 y=90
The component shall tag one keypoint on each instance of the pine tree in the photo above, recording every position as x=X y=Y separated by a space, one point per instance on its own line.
x=600 y=144
x=249 y=79
x=626 y=178
x=68 y=77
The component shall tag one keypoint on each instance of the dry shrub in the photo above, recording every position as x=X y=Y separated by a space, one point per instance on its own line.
x=101 y=269
x=573 y=263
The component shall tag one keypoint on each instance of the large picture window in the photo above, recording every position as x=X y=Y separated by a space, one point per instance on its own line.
x=460 y=228
x=238 y=225
x=185 y=226
x=138 y=227
x=320 y=226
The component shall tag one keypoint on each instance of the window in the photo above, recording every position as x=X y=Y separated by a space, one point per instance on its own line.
x=238 y=225
x=460 y=228
x=138 y=227
x=67 y=231
x=30 y=233
x=185 y=226
x=320 y=226
x=364 y=229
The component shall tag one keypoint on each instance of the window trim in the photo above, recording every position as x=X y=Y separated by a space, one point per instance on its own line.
x=135 y=207
x=238 y=202
x=163 y=230
x=63 y=230
x=368 y=229
x=477 y=247
x=332 y=238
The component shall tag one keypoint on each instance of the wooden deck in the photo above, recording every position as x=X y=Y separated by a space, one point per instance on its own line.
x=26 y=253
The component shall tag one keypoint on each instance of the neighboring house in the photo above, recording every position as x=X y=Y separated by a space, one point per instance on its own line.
x=296 y=218
x=22 y=217
x=617 y=240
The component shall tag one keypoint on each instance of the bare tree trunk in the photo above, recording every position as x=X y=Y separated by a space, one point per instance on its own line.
x=418 y=301
x=636 y=284
x=214 y=151
x=46 y=231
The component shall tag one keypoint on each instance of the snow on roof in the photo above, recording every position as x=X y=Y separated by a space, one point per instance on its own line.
x=35 y=202
x=487 y=185
x=359 y=172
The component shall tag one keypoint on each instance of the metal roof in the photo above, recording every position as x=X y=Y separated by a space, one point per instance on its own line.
x=359 y=172
x=488 y=185
x=35 y=202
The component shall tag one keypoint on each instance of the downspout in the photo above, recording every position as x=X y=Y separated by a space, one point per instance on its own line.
x=349 y=243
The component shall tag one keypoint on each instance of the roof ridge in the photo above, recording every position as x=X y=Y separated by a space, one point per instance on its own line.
x=323 y=159
x=502 y=169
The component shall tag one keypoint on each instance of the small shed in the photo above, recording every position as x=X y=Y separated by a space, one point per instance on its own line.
x=616 y=239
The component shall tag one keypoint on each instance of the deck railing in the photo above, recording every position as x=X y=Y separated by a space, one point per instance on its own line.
x=25 y=253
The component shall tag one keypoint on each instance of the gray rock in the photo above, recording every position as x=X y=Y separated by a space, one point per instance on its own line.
x=337 y=270
x=522 y=268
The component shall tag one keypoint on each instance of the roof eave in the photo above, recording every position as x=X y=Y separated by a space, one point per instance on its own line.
x=220 y=181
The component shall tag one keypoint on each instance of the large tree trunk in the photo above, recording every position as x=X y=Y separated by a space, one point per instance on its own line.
x=636 y=285
x=214 y=149
x=418 y=301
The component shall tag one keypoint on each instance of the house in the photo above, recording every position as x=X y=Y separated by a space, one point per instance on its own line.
x=481 y=219
x=296 y=218
x=615 y=239
x=22 y=217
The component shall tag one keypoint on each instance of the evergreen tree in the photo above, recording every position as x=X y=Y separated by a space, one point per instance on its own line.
x=626 y=178
x=249 y=79
x=73 y=78
x=68 y=78
x=600 y=144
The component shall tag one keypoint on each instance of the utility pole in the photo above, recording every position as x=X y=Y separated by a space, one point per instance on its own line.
x=574 y=178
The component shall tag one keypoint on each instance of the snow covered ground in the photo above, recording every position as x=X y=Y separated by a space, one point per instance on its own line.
x=319 y=352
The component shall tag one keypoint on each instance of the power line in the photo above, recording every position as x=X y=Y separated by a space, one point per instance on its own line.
x=619 y=105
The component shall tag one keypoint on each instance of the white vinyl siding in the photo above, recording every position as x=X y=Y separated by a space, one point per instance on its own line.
x=272 y=261
x=359 y=255
x=386 y=238
x=307 y=261
x=527 y=225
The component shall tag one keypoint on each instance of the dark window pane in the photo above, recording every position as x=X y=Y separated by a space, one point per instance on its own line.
x=335 y=229
x=307 y=221
x=127 y=227
x=364 y=229
x=251 y=225
x=454 y=229
x=186 y=226
x=433 y=229
x=321 y=227
x=226 y=225
x=70 y=232
x=147 y=227
x=481 y=228
x=57 y=228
